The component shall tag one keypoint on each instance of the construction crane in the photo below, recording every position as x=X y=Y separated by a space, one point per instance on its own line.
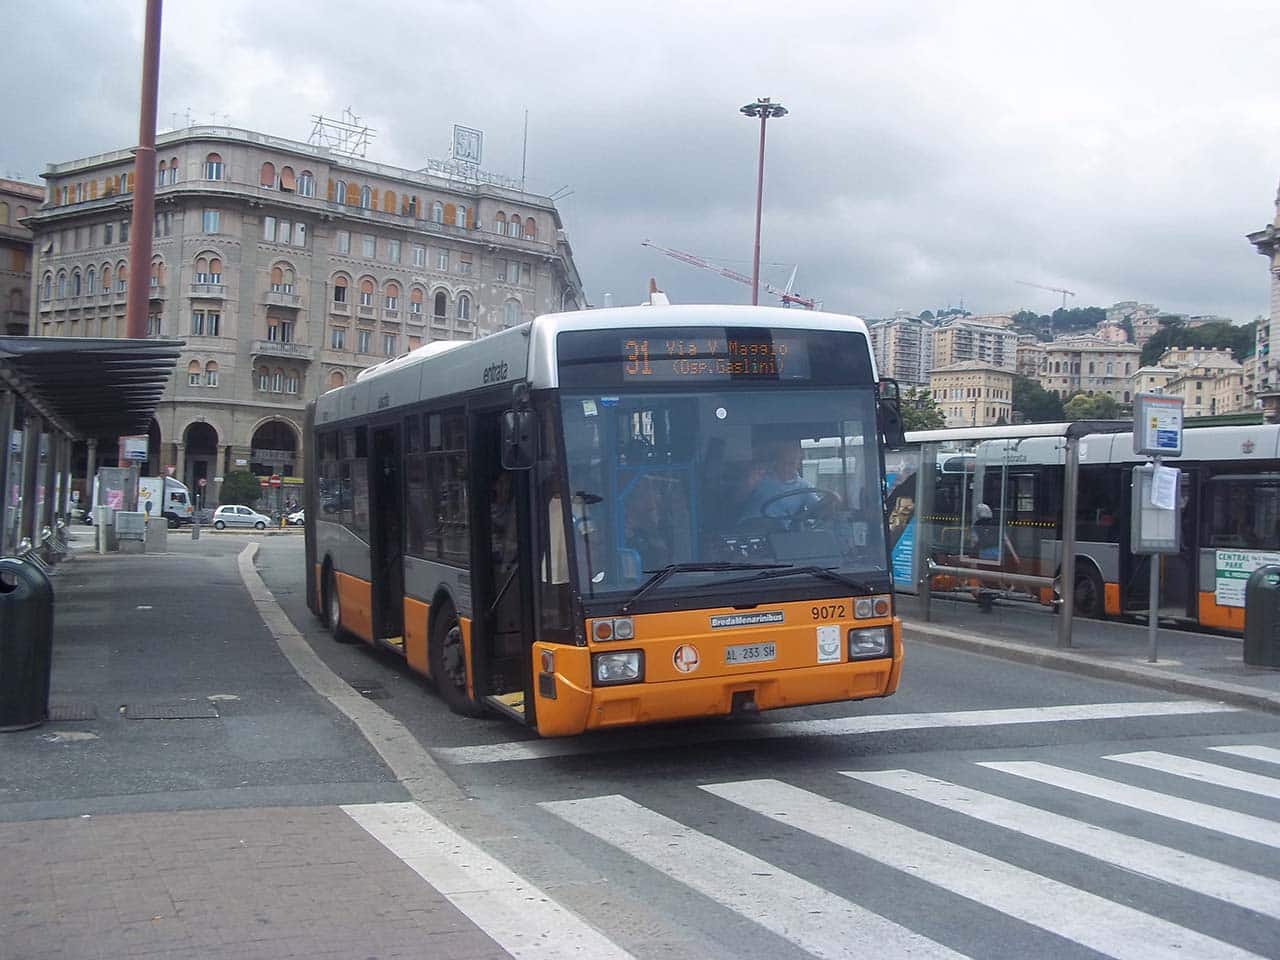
x=1041 y=286
x=785 y=295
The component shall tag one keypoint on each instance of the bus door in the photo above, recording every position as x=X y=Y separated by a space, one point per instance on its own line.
x=386 y=544
x=1179 y=572
x=501 y=589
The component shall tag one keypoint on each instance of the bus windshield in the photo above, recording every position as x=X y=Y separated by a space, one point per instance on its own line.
x=728 y=479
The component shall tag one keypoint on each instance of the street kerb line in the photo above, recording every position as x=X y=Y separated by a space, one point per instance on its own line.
x=412 y=764
x=838 y=726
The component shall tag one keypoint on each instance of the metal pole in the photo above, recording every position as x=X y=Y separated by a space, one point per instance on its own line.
x=926 y=482
x=8 y=406
x=1153 y=589
x=90 y=472
x=144 y=182
x=1067 y=569
x=31 y=428
x=755 y=259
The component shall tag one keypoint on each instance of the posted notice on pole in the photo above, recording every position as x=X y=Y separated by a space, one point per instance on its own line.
x=1232 y=571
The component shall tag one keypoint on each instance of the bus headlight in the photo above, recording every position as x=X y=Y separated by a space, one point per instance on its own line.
x=614 y=667
x=868 y=643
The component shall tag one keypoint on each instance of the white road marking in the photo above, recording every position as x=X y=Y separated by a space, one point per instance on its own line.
x=1203 y=772
x=1198 y=874
x=1241 y=825
x=1266 y=754
x=522 y=919
x=1085 y=918
x=838 y=726
x=812 y=918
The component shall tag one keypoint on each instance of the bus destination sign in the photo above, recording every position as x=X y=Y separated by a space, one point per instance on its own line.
x=730 y=357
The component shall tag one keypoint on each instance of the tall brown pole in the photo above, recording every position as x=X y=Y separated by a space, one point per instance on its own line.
x=755 y=259
x=144 y=182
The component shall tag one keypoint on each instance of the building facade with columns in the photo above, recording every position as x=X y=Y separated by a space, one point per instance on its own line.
x=287 y=268
x=1089 y=364
x=17 y=200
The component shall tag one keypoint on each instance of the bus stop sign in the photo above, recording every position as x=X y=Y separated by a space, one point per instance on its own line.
x=1157 y=425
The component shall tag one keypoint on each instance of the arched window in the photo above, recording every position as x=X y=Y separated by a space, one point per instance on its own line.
x=366 y=292
x=122 y=277
x=411 y=205
x=415 y=301
x=75 y=283
x=46 y=287
x=340 y=191
x=268 y=177
x=460 y=217
x=366 y=198
x=277 y=381
x=211 y=374
x=202 y=269
x=193 y=373
x=437 y=212
x=213 y=167
x=277 y=280
x=353 y=195
x=215 y=270
x=4 y=214
x=291 y=382
x=287 y=180
x=393 y=296
x=389 y=201
x=62 y=284
x=336 y=379
x=157 y=273
x=500 y=223
x=161 y=170
x=513 y=227
x=106 y=278
x=441 y=309
x=511 y=313
x=264 y=379
x=339 y=289
x=530 y=228
x=22 y=212
x=306 y=184
x=126 y=183
x=90 y=282
x=173 y=169
x=464 y=306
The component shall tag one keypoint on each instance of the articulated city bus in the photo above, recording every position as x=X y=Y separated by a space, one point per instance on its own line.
x=608 y=518
x=1009 y=493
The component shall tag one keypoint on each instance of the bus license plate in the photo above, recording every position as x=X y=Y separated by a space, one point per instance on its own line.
x=751 y=653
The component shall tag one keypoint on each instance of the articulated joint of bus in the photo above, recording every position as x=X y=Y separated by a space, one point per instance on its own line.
x=685 y=664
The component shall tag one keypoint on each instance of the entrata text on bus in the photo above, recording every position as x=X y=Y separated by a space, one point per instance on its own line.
x=615 y=517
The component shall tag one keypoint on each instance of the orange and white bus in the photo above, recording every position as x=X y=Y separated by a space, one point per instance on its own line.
x=612 y=517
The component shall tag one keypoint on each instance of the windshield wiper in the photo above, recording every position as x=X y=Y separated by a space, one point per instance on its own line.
x=665 y=573
x=826 y=573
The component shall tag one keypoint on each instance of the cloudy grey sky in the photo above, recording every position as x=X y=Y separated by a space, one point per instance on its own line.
x=935 y=151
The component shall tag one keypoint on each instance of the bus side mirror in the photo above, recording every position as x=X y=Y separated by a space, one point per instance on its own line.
x=519 y=428
x=889 y=414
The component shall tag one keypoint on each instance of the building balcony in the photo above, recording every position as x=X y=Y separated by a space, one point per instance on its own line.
x=342 y=309
x=278 y=298
x=392 y=315
x=209 y=291
x=289 y=351
x=157 y=291
x=368 y=312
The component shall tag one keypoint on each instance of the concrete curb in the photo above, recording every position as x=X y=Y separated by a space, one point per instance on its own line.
x=412 y=765
x=1147 y=676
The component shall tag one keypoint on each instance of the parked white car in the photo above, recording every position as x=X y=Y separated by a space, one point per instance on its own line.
x=298 y=518
x=233 y=515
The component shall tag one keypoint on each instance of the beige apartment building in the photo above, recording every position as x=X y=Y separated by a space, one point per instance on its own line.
x=1089 y=364
x=1030 y=356
x=903 y=348
x=1153 y=379
x=1208 y=391
x=287 y=268
x=973 y=394
x=1144 y=317
x=962 y=341
x=17 y=201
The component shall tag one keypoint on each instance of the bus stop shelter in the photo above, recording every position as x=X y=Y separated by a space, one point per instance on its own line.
x=949 y=489
x=55 y=391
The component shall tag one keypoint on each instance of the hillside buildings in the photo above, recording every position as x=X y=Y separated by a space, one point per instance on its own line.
x=17 y=201
x=903 y=348
x=973 y=394
x=286 y=268
x=1089 y=364
x=962 y=340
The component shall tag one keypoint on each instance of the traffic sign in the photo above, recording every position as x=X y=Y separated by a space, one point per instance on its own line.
x=274 y=481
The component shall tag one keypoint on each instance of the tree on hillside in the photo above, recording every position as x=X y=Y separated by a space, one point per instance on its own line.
x=1176 y=334
x=240 y=487
x=927 y=315
x=920 y=411
x=1078 y=319
x=1091 y=406
x=1035 y=403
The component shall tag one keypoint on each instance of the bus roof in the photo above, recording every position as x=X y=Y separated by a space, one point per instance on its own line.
x=528 y=352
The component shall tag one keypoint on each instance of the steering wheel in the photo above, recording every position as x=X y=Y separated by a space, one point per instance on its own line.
x=817 y=503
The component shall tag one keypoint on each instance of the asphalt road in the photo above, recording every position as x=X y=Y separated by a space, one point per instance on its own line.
x=970 y=814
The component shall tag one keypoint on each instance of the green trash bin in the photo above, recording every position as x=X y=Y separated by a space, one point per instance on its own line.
x=1262 y=617
x=26 y=644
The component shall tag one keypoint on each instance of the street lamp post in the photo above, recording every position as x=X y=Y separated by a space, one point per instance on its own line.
x=764 y=108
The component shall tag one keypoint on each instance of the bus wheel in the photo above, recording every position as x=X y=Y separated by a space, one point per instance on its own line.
x=333 y=610
x=1089 y=594
x=449 y=662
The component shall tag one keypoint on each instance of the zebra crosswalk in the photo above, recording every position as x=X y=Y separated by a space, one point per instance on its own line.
x=863 y=831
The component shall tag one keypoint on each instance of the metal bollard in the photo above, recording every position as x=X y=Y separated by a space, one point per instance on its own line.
x=195 y=527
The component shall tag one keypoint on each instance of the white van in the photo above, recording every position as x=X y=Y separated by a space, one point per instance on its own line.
x=157 y=496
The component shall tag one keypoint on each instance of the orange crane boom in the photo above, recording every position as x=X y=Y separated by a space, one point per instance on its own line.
x=786 y=296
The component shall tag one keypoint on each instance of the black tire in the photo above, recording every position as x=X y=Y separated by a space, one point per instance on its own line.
x=259 y=525
x=219 y=525
x=174 y=523
x=448 y=662
x=1089 y=599
x=333 y=610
